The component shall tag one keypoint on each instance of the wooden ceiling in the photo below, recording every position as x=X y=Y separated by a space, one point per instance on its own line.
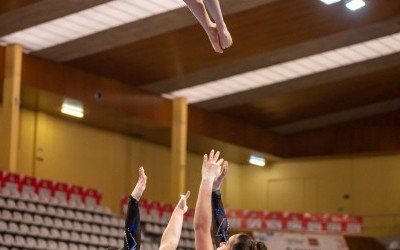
x=351 y=109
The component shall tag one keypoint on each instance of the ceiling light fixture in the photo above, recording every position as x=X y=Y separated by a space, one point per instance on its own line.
x=355 y=4
x=286 y=71
x=330 y=1
x=257 y=160
x=72 y=107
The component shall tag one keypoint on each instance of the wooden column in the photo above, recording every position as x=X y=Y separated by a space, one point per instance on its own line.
x=178 y=147
x=11 y=107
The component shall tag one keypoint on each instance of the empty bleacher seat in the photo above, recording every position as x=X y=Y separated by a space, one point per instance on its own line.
x=112 y=242
x=3 y=227
x=85 y=238
x=86 y=227
x=70 y=214
x=44 y=232
x=38 y=219
x=97 y=218
x=65 y=235
x=52 y=245
x=21 y=205
x=31 y=243
x=96 y=229
x=34 y=230
x=94 y=239
x=2 y=202
x=75 y=236
x=77 y=226
x=82 y=247
x=79 y=216
x=114 y=221
x=55 y=233
x=48 y=221
x=11 y=204
x=106 y=220
x=105 y=230
x=115 y=232
x=41 y=209
x=58 y=223
x=62 y=245
x=68 y=224
x=13 y=227
x=8 y=240
x=17 y=216
x=24 y=229
x=73 y=246
x=51 y=210
x=61 y=212
x=31 y=207
x=20 y=241
x=41 y=243
x=88 y=217
x=27 y=217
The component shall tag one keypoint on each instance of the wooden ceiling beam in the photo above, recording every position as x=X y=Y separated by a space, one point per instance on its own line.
x=269 y=58
x=327 y=77
x=40 y=12
x=136 y=31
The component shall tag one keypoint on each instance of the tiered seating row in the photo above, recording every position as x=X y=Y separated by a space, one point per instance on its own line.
x=22 y=220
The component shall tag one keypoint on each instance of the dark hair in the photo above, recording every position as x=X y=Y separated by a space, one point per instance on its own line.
x=245 y=242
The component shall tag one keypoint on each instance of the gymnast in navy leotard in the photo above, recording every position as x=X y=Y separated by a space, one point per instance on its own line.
x=132 y=234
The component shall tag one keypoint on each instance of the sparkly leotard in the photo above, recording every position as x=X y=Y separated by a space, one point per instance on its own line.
x=220 y=222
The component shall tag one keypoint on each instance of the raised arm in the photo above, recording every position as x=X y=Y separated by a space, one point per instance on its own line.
x=202 y=216
x=220 y=222
x=132 y=234
x=172 y=233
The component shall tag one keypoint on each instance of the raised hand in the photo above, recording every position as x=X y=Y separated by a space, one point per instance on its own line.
x=140 y=185
x=211 y=166
x=182 y=202
x=218 y=180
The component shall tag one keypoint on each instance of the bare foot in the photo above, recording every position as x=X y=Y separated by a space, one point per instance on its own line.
x=212 y=33
x=225 y=38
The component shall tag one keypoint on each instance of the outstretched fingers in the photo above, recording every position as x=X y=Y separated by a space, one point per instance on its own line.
x=216 y=156
x=218 y=180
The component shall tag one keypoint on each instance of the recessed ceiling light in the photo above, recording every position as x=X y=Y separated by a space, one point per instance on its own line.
x=330 y=1
x=72 y=107
x=257 y=160
x=355 y=4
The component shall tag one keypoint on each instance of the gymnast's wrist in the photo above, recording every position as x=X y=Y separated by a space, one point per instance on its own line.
x=216 y=194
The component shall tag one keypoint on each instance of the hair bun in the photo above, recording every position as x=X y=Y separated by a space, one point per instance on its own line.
x=258 y=245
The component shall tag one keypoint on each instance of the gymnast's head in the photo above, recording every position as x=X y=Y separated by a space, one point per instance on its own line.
x=242 y=242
